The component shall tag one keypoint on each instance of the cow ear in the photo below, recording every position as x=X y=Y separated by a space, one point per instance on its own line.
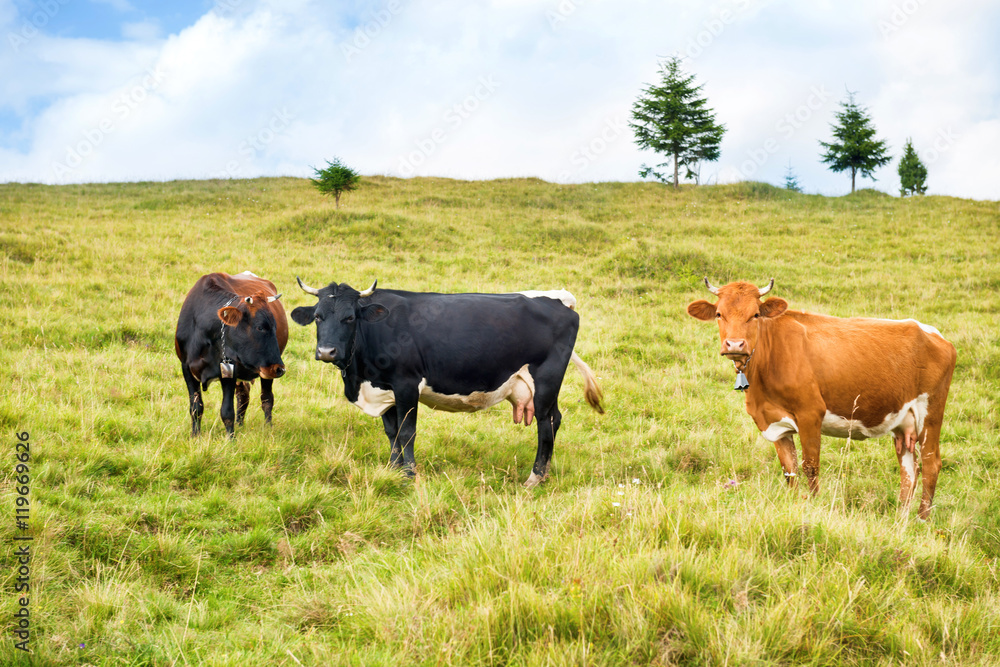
x=773 y=307
x=230 y=315
x=304 y=315
x=702 y=310
x=374 y=312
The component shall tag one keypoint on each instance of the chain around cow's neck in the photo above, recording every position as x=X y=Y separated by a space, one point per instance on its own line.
x=225 y=357
x=746 y=365
x=354 y=348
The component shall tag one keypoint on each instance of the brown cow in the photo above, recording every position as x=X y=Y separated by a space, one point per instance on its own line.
x=232 y=329
x=849 y=378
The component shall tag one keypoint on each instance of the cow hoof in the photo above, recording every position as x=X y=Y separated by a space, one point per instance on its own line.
x=534 y=480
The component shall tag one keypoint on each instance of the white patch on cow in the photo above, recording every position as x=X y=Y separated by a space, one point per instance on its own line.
x=924 y=327
x=910 y=466
x=779 y=429
x=249 y=273
x=843 y=427
x=559 y=294
x=374 y=401
x=519 y=386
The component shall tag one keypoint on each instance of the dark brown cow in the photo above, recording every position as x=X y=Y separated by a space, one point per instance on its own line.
x=234 y=323
x=849 y=378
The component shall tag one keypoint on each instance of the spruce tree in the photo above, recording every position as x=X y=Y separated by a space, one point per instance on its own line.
x=791 y=182
x=912 y=172
x=855 y=146
x=673 y=119
x=336 y=179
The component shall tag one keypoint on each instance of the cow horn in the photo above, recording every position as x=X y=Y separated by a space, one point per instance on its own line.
x=765 y=290
x=272 y=299
x=713 y=290
x=306 y=288
x=368 y=292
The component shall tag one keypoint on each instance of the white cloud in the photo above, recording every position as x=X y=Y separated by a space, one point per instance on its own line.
x=963 y=162
x=397 y=87
x=142 y=31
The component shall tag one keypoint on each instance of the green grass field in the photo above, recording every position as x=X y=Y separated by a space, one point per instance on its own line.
x=665 y=534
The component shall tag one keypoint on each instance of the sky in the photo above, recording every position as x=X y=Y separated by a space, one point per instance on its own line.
x=127 y=90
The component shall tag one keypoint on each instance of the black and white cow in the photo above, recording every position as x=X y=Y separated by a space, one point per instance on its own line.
x=452 y=352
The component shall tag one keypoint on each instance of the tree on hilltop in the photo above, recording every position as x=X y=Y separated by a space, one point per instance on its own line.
x=855 y=146
x=673 y=119
x=912 y=172
x=336 y=179
x=791 y=181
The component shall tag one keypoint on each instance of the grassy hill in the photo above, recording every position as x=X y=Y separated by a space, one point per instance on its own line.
x=664 y=535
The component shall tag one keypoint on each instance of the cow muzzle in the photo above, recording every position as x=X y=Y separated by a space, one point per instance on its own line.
x=326 y=354
x=272 y=372
x=735 y=349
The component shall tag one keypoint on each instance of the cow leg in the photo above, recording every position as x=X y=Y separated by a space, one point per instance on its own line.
x=930 y=464
x=406 y=434
x=548 y=379
x=905 y=440
x=548 y=426
x=391 y=426
x=266 y=399
x=227 y=412
x=546 y=403
x=196 y=404
x=930 y=447
x=907 y=471
x=788 y=458
x=809 y=436
x=242 y=401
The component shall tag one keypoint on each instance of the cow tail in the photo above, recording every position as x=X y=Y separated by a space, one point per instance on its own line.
x=591 y=392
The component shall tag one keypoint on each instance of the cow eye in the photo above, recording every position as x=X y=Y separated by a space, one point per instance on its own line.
x=756 y=315
x=349 y=319
x=318 y=318
x=718 y=315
